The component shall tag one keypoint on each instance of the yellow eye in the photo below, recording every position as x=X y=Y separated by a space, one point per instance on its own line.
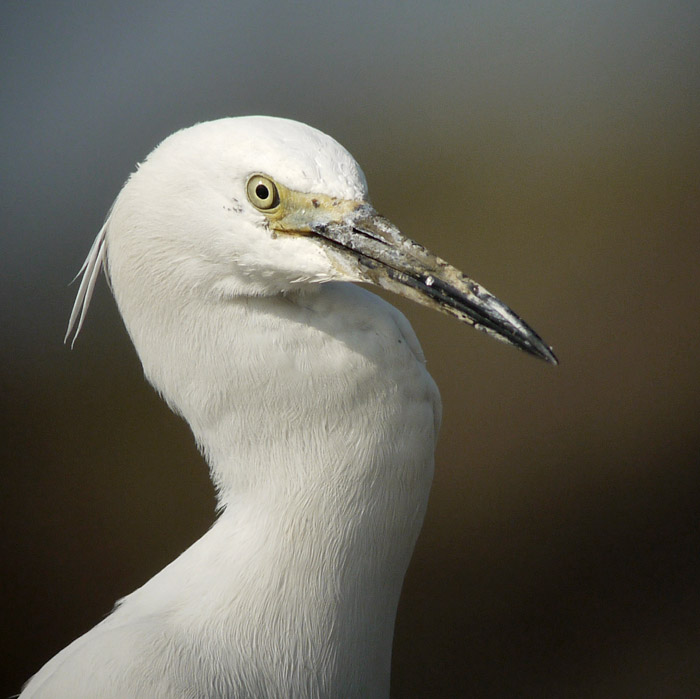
x=262 y=192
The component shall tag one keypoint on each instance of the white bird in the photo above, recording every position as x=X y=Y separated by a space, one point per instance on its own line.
x=228 y=252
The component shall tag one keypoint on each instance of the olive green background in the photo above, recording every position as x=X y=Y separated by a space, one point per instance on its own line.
x=549 y=149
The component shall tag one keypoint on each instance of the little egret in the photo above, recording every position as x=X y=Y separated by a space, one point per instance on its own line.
x=228 y=251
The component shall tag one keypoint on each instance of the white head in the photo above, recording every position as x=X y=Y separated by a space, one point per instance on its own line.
x=185 y=218
x=255 y=206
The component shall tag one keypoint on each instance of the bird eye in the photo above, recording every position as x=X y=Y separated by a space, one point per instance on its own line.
x=262 y=193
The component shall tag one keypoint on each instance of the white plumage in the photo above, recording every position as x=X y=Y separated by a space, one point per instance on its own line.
x=228 y=252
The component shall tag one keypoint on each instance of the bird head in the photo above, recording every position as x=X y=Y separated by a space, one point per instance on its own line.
x=254 y=206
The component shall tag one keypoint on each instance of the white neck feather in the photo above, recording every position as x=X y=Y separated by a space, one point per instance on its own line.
x=323 y=499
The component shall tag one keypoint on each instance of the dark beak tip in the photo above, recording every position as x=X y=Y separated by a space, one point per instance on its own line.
x=546 y=353
x=551 y=358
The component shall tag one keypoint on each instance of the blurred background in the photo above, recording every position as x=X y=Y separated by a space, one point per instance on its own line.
x=549 y=149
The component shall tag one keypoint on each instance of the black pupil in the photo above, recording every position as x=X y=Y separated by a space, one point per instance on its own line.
x=262 y=191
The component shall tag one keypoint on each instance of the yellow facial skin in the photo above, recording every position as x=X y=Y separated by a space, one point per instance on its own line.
x=291 y=212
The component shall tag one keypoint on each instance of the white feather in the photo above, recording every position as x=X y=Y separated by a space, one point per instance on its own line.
x=314 y=410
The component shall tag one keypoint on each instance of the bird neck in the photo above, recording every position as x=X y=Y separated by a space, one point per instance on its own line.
x=317 y=421
x=286 y=391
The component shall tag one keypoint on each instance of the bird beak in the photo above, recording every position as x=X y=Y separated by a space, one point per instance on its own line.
x=390 y=260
